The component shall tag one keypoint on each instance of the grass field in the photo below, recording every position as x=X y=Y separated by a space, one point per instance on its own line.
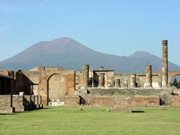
x=92 y=121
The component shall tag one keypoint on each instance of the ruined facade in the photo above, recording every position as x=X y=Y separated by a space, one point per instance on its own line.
x=56 y=86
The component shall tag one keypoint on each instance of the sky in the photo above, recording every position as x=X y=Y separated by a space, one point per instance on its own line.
x=118 y=27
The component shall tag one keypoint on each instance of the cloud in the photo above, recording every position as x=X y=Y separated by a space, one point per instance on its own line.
x=45 y=2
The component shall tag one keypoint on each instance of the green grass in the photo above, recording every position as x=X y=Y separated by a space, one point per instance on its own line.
x=92 y=121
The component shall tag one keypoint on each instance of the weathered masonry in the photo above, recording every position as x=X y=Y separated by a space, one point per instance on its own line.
x=98 y=87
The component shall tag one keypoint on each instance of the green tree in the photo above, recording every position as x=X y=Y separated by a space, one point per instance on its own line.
x=175 y=83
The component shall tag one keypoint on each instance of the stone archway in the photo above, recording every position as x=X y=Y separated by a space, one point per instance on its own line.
x=171 y=74
x=56 y=89
x=177 y=76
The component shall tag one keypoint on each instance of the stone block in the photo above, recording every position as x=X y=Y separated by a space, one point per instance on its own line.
x=5 y=100
x=18 y=103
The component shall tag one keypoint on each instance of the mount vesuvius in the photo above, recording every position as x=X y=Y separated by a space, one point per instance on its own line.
x=70 y=54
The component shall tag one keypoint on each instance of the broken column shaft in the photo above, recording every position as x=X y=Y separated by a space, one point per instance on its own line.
x=85 y=75
x=149 y=76
x=164 y=63
x=133 y=81
x=101 y=80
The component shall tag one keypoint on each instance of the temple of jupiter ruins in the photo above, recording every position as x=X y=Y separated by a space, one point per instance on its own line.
x=98 y=87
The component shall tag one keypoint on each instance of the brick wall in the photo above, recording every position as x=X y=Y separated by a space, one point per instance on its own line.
x=71 y=101
x=175 y=101
x=101 y=101
x=145 y=101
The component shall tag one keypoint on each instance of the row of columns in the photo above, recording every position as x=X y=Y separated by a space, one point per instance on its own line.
x=133 y=77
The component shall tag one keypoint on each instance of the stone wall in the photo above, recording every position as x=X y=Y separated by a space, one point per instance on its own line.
x=78 y=79
x=72 y=101
x=6 y=104
x=135 y=100
x=16 y=103
x=121 y=104
x=140 y=97
x=145 y=101
x=101 y=101
x=51 y=83
x=175 y=101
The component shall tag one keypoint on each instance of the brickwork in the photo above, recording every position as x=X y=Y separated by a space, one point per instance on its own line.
x=55 y=85
x=71 y=101
x=101 y=101
x=51 y=83
x=175 y=101
x=121 y=104
x=145 y=101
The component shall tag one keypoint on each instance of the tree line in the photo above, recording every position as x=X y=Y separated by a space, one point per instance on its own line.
x=175 y=83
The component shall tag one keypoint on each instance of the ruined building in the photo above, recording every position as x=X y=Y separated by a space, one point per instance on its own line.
x=97 y=87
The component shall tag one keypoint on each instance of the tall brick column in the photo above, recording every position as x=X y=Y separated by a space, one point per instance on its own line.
x=148 y=76
x=164 y=63
x=85 y=75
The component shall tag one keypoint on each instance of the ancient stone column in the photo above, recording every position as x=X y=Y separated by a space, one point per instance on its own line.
x=148 y=76
x=101 y=80
x=133 y=81
x=85 y=75
x=164 y=63
x=117 y=82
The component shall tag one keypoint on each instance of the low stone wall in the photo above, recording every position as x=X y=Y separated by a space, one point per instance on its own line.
x=5 y=100
x=71 y=101
x=101 y=101
x=5 y=104
x=121 y=104
x=135 y=100
x=163 y=94
x=118 y=104
x=145 y=101
x=17 y=103
x=175 y=101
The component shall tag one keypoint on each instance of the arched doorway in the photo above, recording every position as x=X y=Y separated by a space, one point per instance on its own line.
x=56 y=89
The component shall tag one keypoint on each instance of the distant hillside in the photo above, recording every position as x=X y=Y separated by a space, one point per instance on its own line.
x=70 y=54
